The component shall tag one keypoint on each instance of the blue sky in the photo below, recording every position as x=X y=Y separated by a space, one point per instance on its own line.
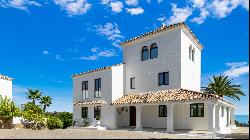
x=44 y=42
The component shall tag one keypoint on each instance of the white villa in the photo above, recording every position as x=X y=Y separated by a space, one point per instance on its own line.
x=156 y=86
x=5 y=86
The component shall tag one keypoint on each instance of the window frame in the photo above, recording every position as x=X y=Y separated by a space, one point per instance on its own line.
x=193 y=54
x=165 y=109
x=164 y=82
x=85 y=89
x=197 y=110
x=97 y=88
x=85 y=112
x=132 y=85
x=222 y=111
x=97 y=111
x=146 y=51
x=153 y=46
x=190 y=52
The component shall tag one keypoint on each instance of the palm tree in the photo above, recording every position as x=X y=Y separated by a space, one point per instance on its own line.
x=222 y=86
x=46 y=101
x=34 y=95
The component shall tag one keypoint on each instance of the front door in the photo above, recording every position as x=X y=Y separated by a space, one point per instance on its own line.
x=132 y=120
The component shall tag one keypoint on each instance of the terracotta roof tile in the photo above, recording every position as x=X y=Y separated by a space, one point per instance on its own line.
x=164 y=96
x=95 y=70
x=160 y=29
x=5 y=77
x=95 y=102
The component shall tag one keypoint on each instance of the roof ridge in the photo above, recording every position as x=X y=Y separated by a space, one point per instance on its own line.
x=159 y=29
x=95 y=70
x=4 y=77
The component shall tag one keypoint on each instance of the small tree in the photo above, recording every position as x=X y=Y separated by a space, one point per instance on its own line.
x=8 y=110
x=46 y=101
x=33 y=95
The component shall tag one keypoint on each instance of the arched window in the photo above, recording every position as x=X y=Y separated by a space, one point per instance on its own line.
x=144 y=53
x=153 y=51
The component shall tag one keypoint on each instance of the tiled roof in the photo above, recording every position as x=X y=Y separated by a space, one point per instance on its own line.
x=95 y=102
x=164 y=96
x=5 y=77
x=160 y=29
x=95 y=70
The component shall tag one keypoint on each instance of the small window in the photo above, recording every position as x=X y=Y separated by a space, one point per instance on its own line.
x=197 y=110
x=144 y=53
x=97 y=112
x=132 y=83
x=85 y=90
x=97 y=91
x=222 y=111
x=162 y=111
x=190 y=52
x=153 y=51
x=84 y=112
x=163 y=78
x=193 y=52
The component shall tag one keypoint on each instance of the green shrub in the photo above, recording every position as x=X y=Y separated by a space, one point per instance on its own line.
x=54 y=123
x=65 y=117
x=33 y=116
x=8 y=110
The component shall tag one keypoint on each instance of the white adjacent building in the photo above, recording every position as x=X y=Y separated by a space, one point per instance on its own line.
x=156 y=86
x=5 y=86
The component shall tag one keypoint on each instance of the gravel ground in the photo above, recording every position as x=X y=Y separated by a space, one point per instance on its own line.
x=89 y=134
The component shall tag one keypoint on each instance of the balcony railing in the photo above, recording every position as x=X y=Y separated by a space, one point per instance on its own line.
x=85 y=94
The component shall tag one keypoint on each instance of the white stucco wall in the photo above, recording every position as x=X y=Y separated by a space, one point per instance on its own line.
x=150 y=117
x=111 y=89
x=6 y=88
x=117 y=82
x=146 y=72
x=190 y=70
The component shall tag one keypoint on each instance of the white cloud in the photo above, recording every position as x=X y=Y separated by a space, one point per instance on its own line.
x=132 y=2
x=245 y=4
x=201 y=19
x=59 y=57
x=74 y=7
x=116 y=6
x=162 y=19
x=110 y=31
x=105 y=1
x=135 y=11
x=95 y=49
x=45 y=52
x=19 y=4
x=92 y=57
x=159 y=1
x=222 y=8
x=98 y=53
x=237 y=69
x=199 y=3
x=179 y=14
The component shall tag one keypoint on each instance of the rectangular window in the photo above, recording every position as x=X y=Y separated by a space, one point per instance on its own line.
x=85 y=90
x=193 y=52
x=197 y=110
x=97 y=91
x=84 y=112
x=222 y=111
x=163 y=78
x=162 y=111
x=190 y=51
x=132 y=83
x=97 y=112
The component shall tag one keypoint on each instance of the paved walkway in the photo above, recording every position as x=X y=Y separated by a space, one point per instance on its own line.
x=105 y=134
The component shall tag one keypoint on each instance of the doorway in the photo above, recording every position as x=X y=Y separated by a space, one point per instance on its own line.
x=132 y=120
